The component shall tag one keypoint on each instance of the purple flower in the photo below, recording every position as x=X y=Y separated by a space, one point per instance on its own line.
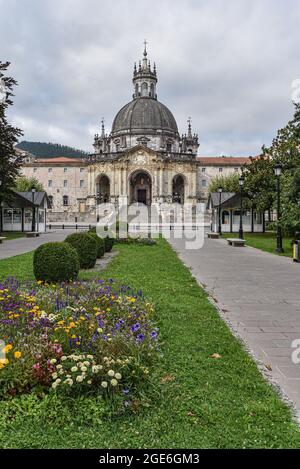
x=153 y=335
x=135 y=327
x=140 y=337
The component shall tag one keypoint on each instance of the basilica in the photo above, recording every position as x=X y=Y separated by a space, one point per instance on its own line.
x=144 y=158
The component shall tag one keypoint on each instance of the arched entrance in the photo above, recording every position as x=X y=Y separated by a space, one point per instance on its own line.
x=178 y=189
x=103 y=189
x=141 y=188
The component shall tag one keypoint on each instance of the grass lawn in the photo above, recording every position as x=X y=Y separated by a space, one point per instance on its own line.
x=12 y=235
x=198 y=402
x=264 y=241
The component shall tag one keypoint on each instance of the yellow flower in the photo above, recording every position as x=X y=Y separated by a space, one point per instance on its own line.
x=72 y=324
x=4 y=361
x=40 y=282
x=17 y=355
x=7 y=348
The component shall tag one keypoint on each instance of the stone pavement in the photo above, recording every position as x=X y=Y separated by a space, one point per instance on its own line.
x=258 y=294
x=14 y=247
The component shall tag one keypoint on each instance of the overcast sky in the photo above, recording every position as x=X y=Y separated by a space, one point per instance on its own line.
x=229 y=64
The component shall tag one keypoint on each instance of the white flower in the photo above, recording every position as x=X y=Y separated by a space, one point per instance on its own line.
x=90 y=357
x=95 y=369
x=54 y=375
x=99 y=330
x=114 y=382
x=54 y=385
x=63 y=358
x=58 y=381
x=104 y=384
x=79 y=379
x=53 y=361
x=118 y=376
x=89 y=382
x=86 y=363
x=83 y=368
x=58 y=367
x=69 y=381
x=74 y=369
x=111 y=373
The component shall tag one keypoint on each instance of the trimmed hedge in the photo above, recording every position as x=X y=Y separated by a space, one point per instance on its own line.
x=56 y=262
x=86 y=247
x=109 y=242
x=100 y=244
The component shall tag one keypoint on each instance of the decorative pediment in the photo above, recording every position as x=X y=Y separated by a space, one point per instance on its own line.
x=140 y=156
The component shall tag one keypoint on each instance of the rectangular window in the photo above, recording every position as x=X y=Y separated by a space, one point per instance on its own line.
x=65 y=170
x=220 y=170
x=65 y=200
x=34 y=170
x=82 y=183
x=81 y=170
x=50 y=183
x=49 y=170
x=203 y=183
x=65 y=183
x=236 y=170
x=203 y=170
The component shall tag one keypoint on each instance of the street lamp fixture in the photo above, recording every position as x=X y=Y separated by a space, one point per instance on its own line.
x=279 y=248
x=241 y=183
x=220 y=190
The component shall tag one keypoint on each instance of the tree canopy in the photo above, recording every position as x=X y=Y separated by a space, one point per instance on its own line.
x=24 y=184
x=10 y=162
x=229 y=183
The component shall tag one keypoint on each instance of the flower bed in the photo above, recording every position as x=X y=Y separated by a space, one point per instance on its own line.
x=75 y=338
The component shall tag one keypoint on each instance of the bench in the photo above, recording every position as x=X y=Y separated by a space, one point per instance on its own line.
x=32 y=234
x=2 y=238
x=213 y=235
x=236 y=242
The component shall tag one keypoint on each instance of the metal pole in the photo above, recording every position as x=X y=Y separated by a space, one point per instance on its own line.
x=33 y=214
x=220 y=200
x=279 y=247
x=241 y=233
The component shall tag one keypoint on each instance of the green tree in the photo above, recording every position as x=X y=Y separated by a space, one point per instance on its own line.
x=24 y=184
x=10 y=162
x=229 y=183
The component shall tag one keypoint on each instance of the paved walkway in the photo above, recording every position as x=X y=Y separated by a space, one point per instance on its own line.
x=14 y=247
x=259 y=295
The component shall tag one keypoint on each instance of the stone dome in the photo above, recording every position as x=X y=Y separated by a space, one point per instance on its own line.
x=144 y=115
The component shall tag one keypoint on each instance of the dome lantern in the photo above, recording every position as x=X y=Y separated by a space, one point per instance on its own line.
x=144 y=79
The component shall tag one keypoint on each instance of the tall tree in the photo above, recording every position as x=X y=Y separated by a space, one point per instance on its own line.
x=10 y=161
x=229 y=183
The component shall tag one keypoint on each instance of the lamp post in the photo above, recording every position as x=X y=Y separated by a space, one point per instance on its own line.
x=277 y=171
x=241 y=232
x=220 y=190
x=33 y=191
x=1 y=224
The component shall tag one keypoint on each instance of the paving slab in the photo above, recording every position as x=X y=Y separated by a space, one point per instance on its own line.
x=258 y=295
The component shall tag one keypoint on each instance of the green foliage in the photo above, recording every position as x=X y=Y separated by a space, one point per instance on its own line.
x=229 y=183
x=24 y=184
x=86 y=247
x=50 y=150
x=10 y=163
x=100 y=244
x=55 y=262
x=109 y=242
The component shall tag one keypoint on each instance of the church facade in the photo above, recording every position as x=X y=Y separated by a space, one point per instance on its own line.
x=144 y=159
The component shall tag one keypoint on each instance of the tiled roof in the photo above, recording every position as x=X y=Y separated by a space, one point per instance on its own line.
x=60 y=159
x=223 y=160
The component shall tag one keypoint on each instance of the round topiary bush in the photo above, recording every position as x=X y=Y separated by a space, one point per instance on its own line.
x=109 y=242
x=56 y=262
x=100 y=244
x=86 y=247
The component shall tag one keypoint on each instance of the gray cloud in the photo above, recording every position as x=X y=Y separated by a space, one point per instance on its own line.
x=227 y=64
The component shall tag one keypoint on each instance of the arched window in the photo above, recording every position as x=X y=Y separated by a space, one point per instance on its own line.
x=65 y=201
x=144 y=89
x=50 y=197
x=136 y=89
x=152 y=89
